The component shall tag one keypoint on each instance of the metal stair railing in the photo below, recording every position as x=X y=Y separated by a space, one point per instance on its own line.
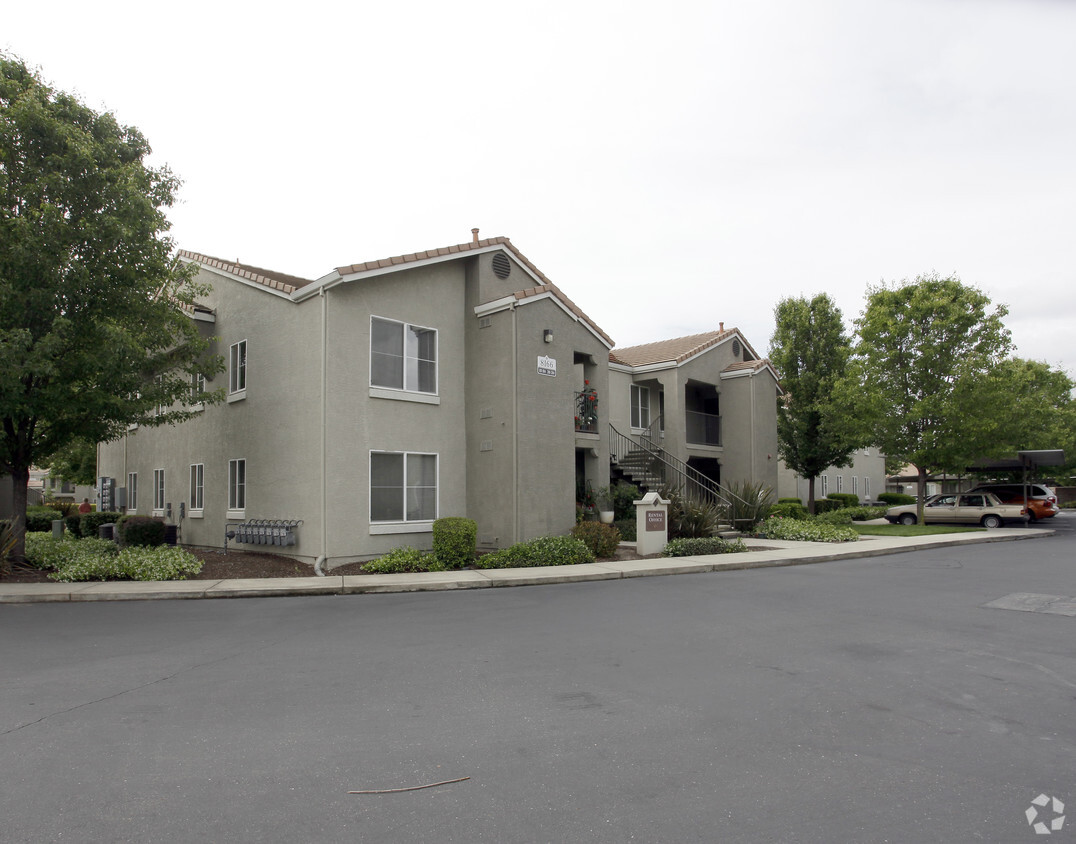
x=660 y=464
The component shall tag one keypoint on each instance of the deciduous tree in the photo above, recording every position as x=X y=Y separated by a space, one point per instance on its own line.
x=925 y=354
x=810 y=351
x=95 y=327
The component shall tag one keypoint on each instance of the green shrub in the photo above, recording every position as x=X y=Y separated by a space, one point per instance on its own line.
x=404 y=560
x=894 y=499
x=810 y=531
x=602 y=540
x=847 y=515
x=749 y=504
x=72 y=524
x=99 y=559
x=789 y=501
x=1068 y=505
x=90 y=522
x=140 y=530
x=702 y=546
x=39 y=519
x=545 y=551
x=847 y=499
x=826 y=505
x=454 y=541
x=627 y=529
x=624 y=496
x=790 y=510
x=45 y=552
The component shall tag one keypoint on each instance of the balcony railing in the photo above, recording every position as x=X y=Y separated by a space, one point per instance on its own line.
x=586 y=412
x=703 y=428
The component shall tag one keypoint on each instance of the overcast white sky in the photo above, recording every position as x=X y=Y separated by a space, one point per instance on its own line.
x=670 y=166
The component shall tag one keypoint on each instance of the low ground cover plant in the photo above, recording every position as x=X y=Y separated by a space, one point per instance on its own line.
x=776 y=527
x=403 y=561
x=100 y=559
x=847 y=515
x=545 y=551
x=698 y=546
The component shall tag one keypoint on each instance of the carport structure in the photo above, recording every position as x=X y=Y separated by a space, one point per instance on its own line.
x=1025 y=461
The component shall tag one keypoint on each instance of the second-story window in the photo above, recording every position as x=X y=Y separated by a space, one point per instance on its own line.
x=237 y=367
x=403 y=356
x=640 y=406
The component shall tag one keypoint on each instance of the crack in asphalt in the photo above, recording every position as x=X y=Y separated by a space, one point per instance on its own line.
x=132 y=689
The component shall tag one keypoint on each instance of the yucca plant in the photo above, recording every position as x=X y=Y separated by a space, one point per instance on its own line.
x=749 y=504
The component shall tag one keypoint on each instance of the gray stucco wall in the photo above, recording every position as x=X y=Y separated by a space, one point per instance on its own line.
x=269 y=428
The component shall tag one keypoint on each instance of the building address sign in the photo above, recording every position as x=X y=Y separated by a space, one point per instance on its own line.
x=547 y=366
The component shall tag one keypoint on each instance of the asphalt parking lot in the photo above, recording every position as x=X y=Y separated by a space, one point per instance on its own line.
x=879 y=699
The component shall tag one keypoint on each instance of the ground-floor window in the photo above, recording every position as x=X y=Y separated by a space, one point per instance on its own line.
x=867 y=487
x=403 y=487
x=158 y=492
x=132 y=491
x=237 y=484
x=195 y=502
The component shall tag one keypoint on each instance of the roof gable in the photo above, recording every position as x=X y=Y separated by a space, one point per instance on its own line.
x=299 y=288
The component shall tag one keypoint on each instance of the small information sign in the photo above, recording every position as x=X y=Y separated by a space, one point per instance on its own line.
x=655 y=520
x=547 y=366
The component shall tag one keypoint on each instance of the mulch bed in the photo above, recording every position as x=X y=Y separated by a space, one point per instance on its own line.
x=251 y=564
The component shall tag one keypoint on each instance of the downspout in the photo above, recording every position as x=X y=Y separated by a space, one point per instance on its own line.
x=754 y=456
x=515 y=432
x=319 y=563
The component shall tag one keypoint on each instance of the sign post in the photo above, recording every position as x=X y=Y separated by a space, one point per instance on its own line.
x=651 y=524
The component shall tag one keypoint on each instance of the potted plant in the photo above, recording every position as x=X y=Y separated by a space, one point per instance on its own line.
x=604 y=502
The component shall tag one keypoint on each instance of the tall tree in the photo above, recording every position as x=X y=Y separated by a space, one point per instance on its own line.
x=925 y=351
x=810 y=351
x=95 y=327
x=75 y=463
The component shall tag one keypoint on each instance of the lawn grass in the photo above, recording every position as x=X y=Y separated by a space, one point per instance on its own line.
x=910 y=530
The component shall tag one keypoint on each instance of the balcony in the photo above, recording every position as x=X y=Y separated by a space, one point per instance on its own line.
x=703 y=428
x=586 y=412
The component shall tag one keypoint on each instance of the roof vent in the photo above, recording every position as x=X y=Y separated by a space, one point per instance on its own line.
x=502 y=267
x=736 y=348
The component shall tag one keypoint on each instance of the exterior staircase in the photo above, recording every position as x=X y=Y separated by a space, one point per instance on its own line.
x=644 y=463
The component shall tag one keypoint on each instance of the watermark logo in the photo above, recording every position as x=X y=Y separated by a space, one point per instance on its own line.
x=1045 y=821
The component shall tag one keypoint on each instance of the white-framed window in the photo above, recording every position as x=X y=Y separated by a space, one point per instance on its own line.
x=132 y=491
x=640 y=406
x=158 y=492
x=867 y=487
x=825 y=485
x=403 y=487
x=237 y=368
x=840 y=483
x=237 y=485
x=403 y=356
x=197 y=389
x=197 y=492
x=855 y=485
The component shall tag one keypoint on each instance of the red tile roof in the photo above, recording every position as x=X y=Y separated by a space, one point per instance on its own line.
x=547 y=286
x=676 y=350
x=277 y=281
x=289 y=284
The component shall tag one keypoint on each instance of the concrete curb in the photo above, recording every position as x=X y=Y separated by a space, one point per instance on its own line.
x=768 y=554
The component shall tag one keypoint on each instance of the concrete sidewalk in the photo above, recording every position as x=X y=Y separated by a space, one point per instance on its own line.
x=768 y=553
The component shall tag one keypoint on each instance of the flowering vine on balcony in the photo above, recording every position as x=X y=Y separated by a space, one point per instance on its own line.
x=586 y=409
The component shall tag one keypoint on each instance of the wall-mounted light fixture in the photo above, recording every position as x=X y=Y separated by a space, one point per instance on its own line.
x=547 y=335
